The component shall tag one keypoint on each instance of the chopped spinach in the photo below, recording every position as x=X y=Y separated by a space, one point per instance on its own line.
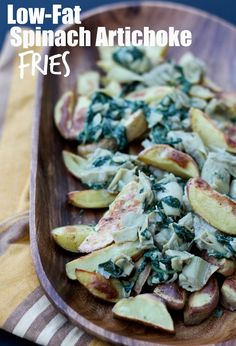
x=132 y=58
x=183 y=233
x=218 y=312
x=158 y=186
x=129 y=88
x=110 y=270
x=102 y=160
x=184 y=83
x=128 y=285
x=103 y=119
x=225 y=240
x=171 y=201
x=161 y=266
x=146 y=234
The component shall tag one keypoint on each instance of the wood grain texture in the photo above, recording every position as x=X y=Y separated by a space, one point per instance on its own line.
x=215 y=42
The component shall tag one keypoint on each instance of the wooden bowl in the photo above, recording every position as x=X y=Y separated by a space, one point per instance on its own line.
x=215 y=42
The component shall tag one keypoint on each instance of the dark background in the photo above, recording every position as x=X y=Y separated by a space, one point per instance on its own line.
x=223 y=8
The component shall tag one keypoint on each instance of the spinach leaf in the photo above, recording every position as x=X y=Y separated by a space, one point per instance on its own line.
x=171 y=201
x=110 y=270
x=183 y=233
x=102 y=160
x=103 y=119
x=225 y=240
x=129 y=87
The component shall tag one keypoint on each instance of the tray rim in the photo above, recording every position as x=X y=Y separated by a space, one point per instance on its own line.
x=80 y=321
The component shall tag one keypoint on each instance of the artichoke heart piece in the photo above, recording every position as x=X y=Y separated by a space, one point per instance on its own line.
x=196 y=273
x=70 y=237
x=91 y=199
x=112 y=219
x=110 y=290
x=209 y=133
x=167 y=158
x=146 y=309
x=217 y=209
x=91 y=261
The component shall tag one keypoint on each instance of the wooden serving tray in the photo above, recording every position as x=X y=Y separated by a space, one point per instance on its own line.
x=215 y=42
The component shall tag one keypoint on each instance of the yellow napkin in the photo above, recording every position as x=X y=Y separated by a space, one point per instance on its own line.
x=24 y=309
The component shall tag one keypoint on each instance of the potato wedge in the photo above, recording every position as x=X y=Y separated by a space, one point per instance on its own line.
x=217 y=209
x=226 y=266
x=91 y=199
x=167 y=158
x=64 y=113
x=202 y=303
x=91 y=261
x=74 y=163
x=146 y=309
x=110 y=290
x=209 y=133
x=106 y=143
x=112 y=219
x=228 y=293
x=148 y=95
x=70 y=117
x=70 y=237
x=174 y=296
x=135 y=125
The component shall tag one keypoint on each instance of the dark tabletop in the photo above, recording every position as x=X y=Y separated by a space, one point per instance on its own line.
x=223 y=8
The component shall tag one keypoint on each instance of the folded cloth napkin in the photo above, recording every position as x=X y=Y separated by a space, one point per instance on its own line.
x=24 y=308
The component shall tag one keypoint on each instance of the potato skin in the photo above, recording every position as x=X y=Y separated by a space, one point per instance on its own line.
x=212 y=206
x=70 y=237
x=209 y=133
x=91 y=199
x=202 y=303
x=226 y=266
x=146 y=309
x=228 y=293
x=167 y=158
x=110 y=290
x=174 y=296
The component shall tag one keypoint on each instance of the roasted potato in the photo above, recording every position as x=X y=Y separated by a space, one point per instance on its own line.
x=228 y=293
x=217 y=209
x=91 y=261
x=202 y=303
x=110 y=290
x=112 y=219
x=70 y=237
x=70 y=117
x=174 y=296
x=226 y=266
x=93 y=199
x=74 y=163
x=135 y=125
x=209 y=133
x=167 y=158
x=146 y=309
x=148 y=95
